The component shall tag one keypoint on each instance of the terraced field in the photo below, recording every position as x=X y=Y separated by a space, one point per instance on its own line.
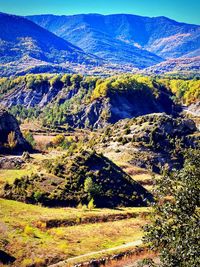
x=28 y=233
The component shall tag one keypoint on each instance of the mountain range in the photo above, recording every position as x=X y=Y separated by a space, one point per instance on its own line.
x=161 y=36
x=88 y=40
x=20 y=37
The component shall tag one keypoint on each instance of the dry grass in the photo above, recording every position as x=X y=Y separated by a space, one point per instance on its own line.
x=44 y=139
x=27 y=241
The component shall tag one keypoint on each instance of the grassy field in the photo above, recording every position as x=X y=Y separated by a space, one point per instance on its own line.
x=24 y=235
x=35 y=166
x=42 y=236
x=9 y=175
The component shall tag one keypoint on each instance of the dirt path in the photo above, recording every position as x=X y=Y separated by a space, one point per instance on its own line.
x=127 y=245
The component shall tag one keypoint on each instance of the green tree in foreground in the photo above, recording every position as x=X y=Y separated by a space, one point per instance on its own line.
x=175 y=228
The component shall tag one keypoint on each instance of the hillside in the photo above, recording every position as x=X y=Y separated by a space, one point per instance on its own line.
x=9 y=126
x=97 y=34
x=78 y=179
x=85 y=102
x=116 y=37
x=21 y=38
x=148 y=141
x=176 y=66
x=96 y=44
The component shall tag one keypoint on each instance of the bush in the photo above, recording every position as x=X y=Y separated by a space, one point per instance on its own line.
x=37 y=196
x=29 y=138
x=91 y=188
x=58 y=140
x=26 y=156
x=28 y=230
x=91 y=204
x=12 y=142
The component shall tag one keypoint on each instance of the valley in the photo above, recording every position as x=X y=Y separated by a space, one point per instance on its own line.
x=83 y=190
x=99 y=136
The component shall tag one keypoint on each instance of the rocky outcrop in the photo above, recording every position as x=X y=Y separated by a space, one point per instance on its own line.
x=118 y=106
x=9 y=124
x=11 y=163
x=94 y=115
x=194 y=109
x=151 y=140
x=40 y=96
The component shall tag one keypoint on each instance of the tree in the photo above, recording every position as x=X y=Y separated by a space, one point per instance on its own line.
x=175 y=225
x=12 y=142
x=92 y=188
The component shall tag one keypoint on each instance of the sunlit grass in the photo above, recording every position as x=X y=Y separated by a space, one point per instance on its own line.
x=19 y=226
x=9 y=175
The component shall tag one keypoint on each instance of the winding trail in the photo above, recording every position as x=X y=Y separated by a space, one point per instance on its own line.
x=127 y=245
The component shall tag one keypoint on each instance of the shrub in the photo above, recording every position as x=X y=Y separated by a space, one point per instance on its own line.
x=28 y=230
x=91 y=204
x=174 y=228
x=12 y=142
x=58 y=140
x=37 y=196
x=27 y=263
x=26 y=156
x=29 y=137
x=84 y=207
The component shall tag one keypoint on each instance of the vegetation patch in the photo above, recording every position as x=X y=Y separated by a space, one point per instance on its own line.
x=83 y=177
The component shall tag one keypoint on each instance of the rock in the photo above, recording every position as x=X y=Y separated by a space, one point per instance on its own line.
x=90 y=115
x=6 y=258
x=150 y=140
x=9 y=124
x=118 y=106
x=11 y=163
x=194 y=109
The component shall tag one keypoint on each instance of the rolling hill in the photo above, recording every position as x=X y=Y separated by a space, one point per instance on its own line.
x=175 y=65
x=82 y=176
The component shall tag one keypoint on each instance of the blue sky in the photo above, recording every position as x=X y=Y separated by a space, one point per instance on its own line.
x=180 y=10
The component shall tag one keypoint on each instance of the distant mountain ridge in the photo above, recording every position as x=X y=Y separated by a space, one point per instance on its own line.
x=19 y=37
x=95 y=44
x=110 y=36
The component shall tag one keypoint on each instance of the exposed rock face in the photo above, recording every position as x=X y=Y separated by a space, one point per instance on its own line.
x=94 y=115
x=9 y=124
x=42 y=95
x=194 y=109
x=119 y=106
